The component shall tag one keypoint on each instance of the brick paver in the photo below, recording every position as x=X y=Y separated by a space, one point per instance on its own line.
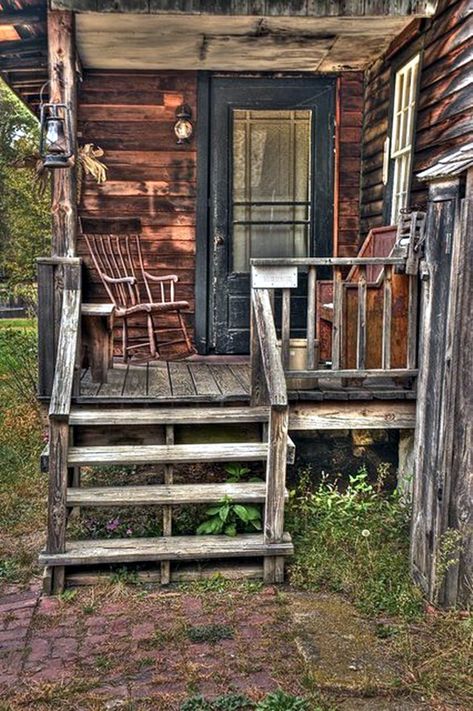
x=110 y=646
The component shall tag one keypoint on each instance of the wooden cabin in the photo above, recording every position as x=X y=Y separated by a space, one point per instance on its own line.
x=268 y=170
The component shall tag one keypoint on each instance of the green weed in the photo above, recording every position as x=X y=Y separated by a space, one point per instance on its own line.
x=68 y=596
x=9 y=571
x=280 y=701
x=229 y=518
x=124 y=576
x=353 y=540
x=103 y=663
x=209 y=633
x=276 y=701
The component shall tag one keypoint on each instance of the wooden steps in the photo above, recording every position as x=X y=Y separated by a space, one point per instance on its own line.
x=88 y=439
x=167 y=454
x=89 y=416
x=161 y=494
x=138 y=550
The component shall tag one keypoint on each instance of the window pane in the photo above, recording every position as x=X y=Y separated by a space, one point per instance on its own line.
x=271 y=185
x=402 y=132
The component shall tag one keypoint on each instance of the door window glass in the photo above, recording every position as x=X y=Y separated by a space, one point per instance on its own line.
x=271 y=204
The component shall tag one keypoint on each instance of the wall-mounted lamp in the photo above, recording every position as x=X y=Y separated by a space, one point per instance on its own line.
x=183 y=127
x=56 y=142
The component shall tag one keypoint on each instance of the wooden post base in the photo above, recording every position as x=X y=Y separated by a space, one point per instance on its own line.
x=54 y=580
x=273 y=569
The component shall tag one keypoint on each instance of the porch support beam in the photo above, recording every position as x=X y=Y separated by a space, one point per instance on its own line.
x=308 y=8
x=63 y=89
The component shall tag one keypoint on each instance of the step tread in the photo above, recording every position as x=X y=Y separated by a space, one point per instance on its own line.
x=132 y=550
x=161 y=494
x=151 y=416
x=163 y=454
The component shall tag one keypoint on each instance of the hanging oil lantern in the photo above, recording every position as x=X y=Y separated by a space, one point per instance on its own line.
x=56 y=142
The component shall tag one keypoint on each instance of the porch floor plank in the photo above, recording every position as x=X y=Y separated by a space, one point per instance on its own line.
x=226 y=381
x=210 y=382
x=159 y=384
x=204 y=381
x=182 y=384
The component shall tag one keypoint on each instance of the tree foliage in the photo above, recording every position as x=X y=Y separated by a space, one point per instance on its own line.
x=24 y=213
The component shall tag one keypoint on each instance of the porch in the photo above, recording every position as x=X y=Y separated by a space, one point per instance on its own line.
x=216 y=380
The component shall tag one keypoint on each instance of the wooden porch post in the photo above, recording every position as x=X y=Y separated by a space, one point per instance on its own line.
x=443 y=485
x=63 y=88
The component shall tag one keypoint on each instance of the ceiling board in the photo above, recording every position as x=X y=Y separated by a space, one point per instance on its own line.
x=232 y=43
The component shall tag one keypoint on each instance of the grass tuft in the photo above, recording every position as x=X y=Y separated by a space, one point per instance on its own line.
x=354 y=540
x=209 y=633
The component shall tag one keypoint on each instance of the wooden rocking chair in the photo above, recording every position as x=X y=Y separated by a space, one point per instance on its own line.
x=119 y=263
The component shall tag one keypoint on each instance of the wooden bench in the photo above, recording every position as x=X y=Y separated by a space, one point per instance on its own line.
x=97 y=333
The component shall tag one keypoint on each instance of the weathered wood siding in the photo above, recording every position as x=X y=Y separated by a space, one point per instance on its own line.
x=444 y=107
x=151 y=186
x=349 y=163
x=151 y=180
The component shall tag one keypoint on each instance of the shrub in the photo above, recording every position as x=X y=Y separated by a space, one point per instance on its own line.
x=353 y=540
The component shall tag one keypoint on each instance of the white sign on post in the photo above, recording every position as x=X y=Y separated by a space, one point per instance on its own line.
x=274 y=277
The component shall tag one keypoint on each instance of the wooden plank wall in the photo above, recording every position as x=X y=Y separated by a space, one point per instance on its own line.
x=151 y=184
x=444 y=107
x=151 y=180
x=349 y=162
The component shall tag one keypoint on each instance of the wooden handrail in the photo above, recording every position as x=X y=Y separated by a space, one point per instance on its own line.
x=268 y=345
x=327 y=261
x=268 y=386
x=61 y=395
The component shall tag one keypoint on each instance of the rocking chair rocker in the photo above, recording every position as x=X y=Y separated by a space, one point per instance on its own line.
x=119 y=263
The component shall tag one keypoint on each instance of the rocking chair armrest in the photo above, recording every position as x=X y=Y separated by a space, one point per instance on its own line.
x=121 y=280
x=168 y=277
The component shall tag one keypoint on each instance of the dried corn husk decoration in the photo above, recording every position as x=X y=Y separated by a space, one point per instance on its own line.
x=88 y=163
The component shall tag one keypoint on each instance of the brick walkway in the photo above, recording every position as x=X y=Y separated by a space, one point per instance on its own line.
x=110 y=646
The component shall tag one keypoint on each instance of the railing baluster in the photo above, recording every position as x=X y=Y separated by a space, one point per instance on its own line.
x=361 y=326
x=285 y=327
x=412 y=311
x=311 y=299
x=387 y=316
x=337 y=323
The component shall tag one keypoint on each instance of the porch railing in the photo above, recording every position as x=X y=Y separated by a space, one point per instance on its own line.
x=58 y=277
x=368 y=311
x=268 y=387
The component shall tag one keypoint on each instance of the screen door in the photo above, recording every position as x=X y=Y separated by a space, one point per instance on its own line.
x=270 y=191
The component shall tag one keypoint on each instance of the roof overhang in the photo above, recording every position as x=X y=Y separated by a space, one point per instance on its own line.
x=23 y=48
x=451 y=164
x=234 y=42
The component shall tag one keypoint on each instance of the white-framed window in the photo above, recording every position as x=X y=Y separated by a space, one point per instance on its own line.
x=399 y=148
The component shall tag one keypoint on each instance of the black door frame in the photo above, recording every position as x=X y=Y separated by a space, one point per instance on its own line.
x=323 y=191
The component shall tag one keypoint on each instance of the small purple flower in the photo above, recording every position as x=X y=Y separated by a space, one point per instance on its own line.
x=113 y=524
x=129 y=532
